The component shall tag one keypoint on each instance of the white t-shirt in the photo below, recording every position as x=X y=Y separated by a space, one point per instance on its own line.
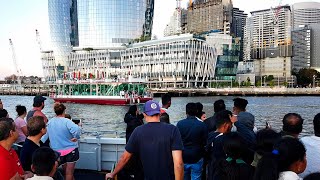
x=35 y=177
x=312 y=144
x=288 y=175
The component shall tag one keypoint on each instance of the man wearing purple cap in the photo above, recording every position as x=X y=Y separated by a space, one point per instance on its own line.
x=38 y=105
x=158 y=145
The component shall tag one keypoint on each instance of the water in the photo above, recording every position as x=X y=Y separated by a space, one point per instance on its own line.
x=100 y=118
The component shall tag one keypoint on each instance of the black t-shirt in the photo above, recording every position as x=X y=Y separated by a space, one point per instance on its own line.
x=194 y=136
x=29 y=147
x=154 y=143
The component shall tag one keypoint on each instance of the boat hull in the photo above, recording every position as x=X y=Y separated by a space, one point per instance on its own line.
x=102 y=101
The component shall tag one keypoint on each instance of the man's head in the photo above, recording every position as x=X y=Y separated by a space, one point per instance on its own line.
x=151 y=111
x=316 y=125
x=292 y=124
x=223 y=121
x=4 y=113
x=38 y=101
x=166 y=100
x=8 y=130
x=59 y=109
x=239 y=105
x=1 y=105
x=199 y=109
x=191 y=109
x=44 y=162
x=36 y=126
x=219 y=106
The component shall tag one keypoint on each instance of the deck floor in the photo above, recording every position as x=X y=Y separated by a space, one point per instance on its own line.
x=88 y=175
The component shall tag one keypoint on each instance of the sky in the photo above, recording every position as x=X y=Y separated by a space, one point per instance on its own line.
x=20 y=18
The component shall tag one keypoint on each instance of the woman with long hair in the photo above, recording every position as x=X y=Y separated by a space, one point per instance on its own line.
x=133 y=120
x=287 y=160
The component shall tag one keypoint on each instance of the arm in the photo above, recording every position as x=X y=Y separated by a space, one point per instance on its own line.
x=74 y=129
x=178 y=164
x=24 y=130
x=122 y=162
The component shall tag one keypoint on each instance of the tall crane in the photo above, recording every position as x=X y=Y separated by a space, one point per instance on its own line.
x=190 y=4
x=14 y=58
x=39 y=40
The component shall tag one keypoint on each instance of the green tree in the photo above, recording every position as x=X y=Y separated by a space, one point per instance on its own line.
x=305 y=76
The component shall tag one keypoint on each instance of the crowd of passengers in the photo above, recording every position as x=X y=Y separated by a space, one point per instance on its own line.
x=226 y=146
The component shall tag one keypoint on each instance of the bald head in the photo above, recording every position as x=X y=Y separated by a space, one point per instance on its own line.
x=292 y=124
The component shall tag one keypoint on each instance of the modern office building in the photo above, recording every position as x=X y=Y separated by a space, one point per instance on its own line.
x=63 y=30
x=237 y=27
x=113 y=23
x=206 y=15
x=305 y=13
x=271 y=46
x=174 y=27
x=228 y=52
x=301 y=40
x=176 y=61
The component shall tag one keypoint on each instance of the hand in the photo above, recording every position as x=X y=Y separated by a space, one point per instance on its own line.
x=16 y=177
x=109 y=176
x=27 y=174
x=74 y=139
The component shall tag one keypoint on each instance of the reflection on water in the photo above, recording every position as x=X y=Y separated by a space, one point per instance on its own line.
x=99 y=118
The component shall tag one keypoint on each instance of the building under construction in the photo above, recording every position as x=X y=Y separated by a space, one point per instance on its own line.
x=206 y=15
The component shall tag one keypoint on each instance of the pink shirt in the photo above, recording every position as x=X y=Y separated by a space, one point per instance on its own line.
x=19 y=124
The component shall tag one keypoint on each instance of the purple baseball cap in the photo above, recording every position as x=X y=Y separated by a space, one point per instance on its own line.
x=151 y=108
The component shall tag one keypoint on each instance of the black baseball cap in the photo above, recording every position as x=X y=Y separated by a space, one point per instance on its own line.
x=39 y=99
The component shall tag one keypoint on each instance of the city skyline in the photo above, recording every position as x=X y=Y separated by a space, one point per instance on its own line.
x=21 y=18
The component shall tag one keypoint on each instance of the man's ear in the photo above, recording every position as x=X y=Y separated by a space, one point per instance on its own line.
x=32 y=168
x=54 y=169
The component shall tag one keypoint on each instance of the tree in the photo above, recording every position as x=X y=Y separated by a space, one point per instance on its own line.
x=305 y=76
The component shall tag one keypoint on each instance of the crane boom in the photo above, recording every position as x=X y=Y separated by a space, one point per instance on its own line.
x=14 y=58
x=39 y=40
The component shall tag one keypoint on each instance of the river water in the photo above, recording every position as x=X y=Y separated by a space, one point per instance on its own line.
x=103 y=118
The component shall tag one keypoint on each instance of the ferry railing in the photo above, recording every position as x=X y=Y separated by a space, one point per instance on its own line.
x=100 y=134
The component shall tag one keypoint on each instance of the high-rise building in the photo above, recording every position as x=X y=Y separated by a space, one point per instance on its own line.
x=174 y=26
x=301 y=40
x=206 y=15
x=305 y=36
x=237 y=27
x=113 y=23
x=305 y=13
x=247 y=39
x=63 y=31
x=271 y=41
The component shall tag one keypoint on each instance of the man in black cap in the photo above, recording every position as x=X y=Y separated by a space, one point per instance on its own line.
x=38 y=105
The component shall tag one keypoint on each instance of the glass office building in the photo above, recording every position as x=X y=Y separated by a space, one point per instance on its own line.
x=63 y=30
x=112 y=23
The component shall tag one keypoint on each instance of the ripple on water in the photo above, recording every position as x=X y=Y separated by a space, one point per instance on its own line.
x=99 y=118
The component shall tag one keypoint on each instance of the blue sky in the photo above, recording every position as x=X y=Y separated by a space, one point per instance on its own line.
x=20 y=18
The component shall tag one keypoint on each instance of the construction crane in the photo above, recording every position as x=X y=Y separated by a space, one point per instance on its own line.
x=275 y=22
x=39 y=40
x=190 y=4
x=14 y=58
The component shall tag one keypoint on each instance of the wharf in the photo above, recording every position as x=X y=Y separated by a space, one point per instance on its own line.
x=265 y=91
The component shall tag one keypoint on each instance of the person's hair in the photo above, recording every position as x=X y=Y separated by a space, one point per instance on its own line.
x=286 y=151
x=240 y=103
x=234 y=167
x=199 y=109
x=37 y=103
x=59 y=108
x=165 y=118
x=165 y=99
x=43 y=161
x=266 y=138
x=133 y=110
x=21 y=110
x=292 y=123
x=316 y=124
x=191 y=109
x=68 y=116
x=313 y=176
x=3 y=113
x=222 y=117
x=35 y=125
x=219 y=105
x=6 y=125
